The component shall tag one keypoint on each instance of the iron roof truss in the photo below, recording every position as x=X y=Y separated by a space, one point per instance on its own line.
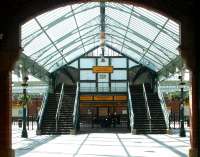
x=69 y=32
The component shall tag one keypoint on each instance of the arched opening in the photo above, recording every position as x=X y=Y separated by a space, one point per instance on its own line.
x=43 y=8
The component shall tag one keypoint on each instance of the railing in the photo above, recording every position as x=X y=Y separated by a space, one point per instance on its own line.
x=163 y=106
x=59 y=106
x=42 y=108
x=147 y=106
x=130 y=109
x=76 y=108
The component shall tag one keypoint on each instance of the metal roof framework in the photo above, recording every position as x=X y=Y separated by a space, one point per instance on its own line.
x=57 y=37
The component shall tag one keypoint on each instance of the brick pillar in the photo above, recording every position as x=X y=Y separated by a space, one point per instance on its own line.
x=194 y=116
x=5 y=113
x=9 y=52
x=189 y=54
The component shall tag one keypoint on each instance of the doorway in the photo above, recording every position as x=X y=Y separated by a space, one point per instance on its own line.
x=95 y=117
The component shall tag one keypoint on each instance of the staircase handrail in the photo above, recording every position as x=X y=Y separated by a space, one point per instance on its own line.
x=147 y=106
x=130 y=107
x=163 y=106
x=76 y=106
x=42 y=108
x=59 y=105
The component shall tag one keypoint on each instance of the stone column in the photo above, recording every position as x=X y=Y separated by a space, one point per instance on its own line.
x=9 y=51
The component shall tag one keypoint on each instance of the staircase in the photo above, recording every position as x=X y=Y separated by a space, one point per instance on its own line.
x=48 y=121
x=141 y=122
x=65 y=120
x=157 y=117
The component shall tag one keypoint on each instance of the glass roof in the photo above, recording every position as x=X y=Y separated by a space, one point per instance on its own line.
x=57 y=37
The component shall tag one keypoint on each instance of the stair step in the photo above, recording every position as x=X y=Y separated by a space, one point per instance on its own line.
x=65 y=119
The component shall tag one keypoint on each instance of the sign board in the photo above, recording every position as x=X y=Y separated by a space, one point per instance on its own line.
x=102 y=69
x=103 y=98
x=108 y=98
x=120 y=97
x=96 y=105
x=86 y=97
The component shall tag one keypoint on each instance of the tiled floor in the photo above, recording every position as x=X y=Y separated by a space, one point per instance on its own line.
x=100 y=145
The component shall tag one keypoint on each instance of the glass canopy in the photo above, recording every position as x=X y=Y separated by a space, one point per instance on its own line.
x=58 y=37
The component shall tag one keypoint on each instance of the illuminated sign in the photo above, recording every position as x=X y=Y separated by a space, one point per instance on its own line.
x=102 y=69
x=85 y=97
x=120 y=97
x=103 y=98
x=107 y=98
x=103 y=105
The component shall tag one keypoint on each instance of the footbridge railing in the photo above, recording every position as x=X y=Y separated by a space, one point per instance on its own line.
x=147 y=107
x=130 y=109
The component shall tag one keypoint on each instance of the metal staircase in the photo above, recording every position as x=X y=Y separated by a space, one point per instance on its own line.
x=57 y=117
x=157 y=117
x=141 y=122
x=148 y=113
x=48 y=119
x=65 y=120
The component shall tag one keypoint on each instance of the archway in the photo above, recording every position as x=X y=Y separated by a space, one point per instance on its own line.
x=10 y=43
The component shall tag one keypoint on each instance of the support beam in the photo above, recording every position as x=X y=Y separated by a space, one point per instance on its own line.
x=32 y=67
x=116 y=50
x=58 y=20
x=94 y=48
x=72 y=10
x=151 y=62
x=147 y=50
x=170 y=68
x=129 y=20
x=102 y=15
x=102 y=25
x=140 y=71
x=53 y=43
x=66 y=72
x=51 y=58
x=71 y=51
x=137 y=44
x=138 y=15
x=83 y=27
x=115 y=24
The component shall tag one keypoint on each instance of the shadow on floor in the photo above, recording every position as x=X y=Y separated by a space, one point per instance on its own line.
x=103 y=130
x=179 y=153
x=34 y=144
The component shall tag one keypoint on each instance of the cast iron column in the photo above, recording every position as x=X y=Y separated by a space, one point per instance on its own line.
x=182 y=129
x=24 y=85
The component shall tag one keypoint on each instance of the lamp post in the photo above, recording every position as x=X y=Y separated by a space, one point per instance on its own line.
x=182 y=129
x=24 y=85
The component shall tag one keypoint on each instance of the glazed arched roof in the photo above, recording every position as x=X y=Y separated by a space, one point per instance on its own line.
x=57 y=37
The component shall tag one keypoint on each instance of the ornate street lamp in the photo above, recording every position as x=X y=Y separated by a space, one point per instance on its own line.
x=24 y=85
x=182 y=129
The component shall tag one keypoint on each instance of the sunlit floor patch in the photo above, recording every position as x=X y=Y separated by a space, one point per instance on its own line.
x=100 y=145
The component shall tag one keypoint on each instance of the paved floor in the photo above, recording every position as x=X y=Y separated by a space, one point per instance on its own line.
x=100 y=145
